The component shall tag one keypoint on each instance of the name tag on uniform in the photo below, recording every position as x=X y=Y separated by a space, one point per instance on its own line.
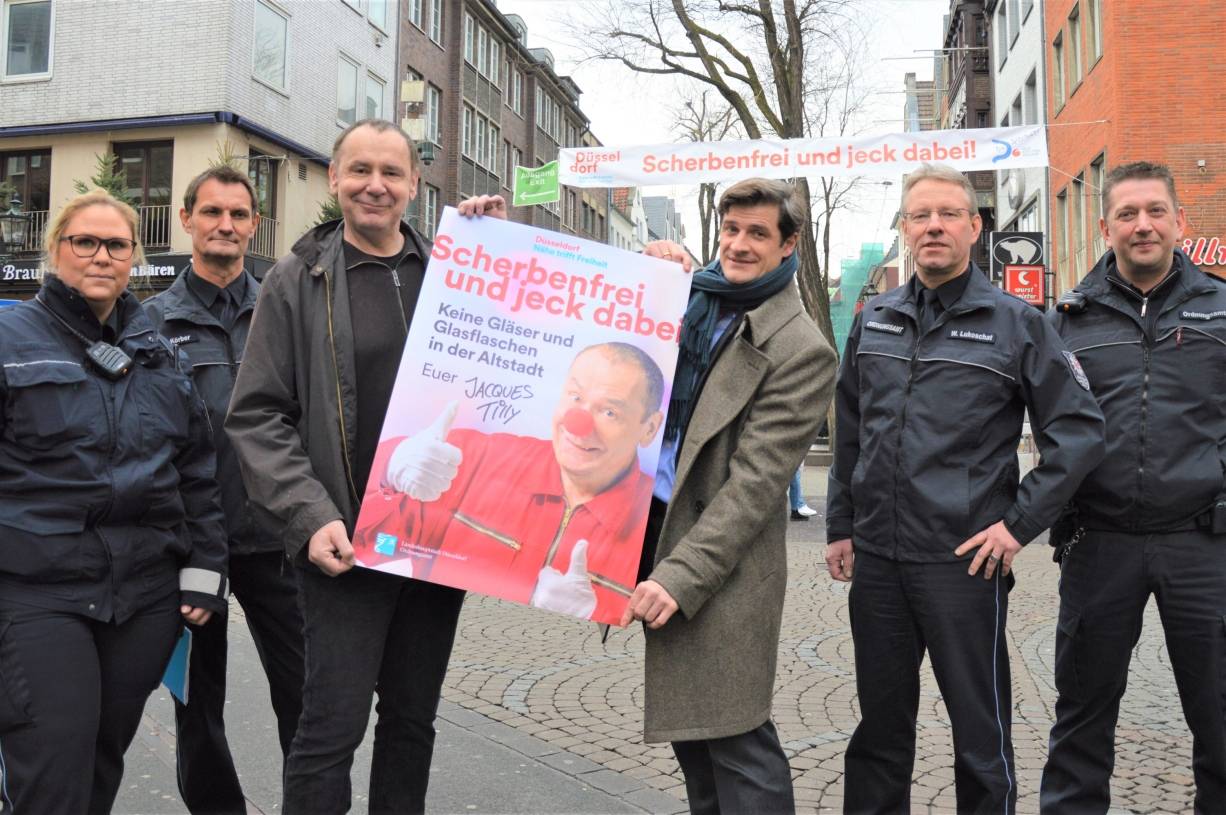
x=182 y=339
x=888 y=328
x=973 y=336
x=1202 y=315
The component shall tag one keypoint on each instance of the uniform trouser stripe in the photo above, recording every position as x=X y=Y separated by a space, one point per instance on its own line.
x=999 y=626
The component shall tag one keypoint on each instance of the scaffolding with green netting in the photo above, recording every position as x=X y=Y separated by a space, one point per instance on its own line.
x=843 y=298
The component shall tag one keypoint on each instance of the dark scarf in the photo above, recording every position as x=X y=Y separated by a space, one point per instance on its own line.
x=710 y=294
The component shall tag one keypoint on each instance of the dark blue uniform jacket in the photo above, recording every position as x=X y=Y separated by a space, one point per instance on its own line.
x=107 y=497
x=1162 y=394
x=927 y=427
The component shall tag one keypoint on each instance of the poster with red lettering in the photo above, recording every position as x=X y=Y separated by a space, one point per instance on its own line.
x=519 y=451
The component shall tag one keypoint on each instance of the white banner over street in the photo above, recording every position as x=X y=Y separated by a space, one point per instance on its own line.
x=892 y=154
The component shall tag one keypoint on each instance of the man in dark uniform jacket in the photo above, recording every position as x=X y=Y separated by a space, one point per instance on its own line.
x=1150 y=330
x=934 y=382
x=206 y=313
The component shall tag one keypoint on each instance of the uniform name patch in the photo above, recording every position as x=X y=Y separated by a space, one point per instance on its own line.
x=973 y=336
x=1078 y=373
x=1201 y=315
x=888 y=328
x=182 y=339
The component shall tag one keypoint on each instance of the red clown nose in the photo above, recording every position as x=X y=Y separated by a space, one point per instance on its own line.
x=578 y=422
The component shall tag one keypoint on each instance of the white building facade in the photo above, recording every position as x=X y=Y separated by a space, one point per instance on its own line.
x=170 y=87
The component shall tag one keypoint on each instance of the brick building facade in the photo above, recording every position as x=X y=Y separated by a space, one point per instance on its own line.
x=489 y=102
x=1130 y=81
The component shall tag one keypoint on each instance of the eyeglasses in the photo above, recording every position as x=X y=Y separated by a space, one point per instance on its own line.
x=947 y=216
x=86 y=246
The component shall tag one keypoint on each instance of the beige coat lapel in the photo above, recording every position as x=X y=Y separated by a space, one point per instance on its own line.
x=735 y=376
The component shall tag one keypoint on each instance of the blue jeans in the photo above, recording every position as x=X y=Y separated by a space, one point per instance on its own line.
x=796 y=498
x=367 y=632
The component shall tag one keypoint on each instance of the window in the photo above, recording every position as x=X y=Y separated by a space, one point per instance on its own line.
x=1002 y=34
x=470 y=36
x=1015 y=113
x=495 y=61
x=430 y=214
x=517 y=92
x=434 y=104
x=268 y=50
x=1057 y=62
x=481 y=131
x=346 y=91
x=482 y=51
x=436 y=20
x=27 y=38
x=415 y=12
x=30 y=172
x=376 y=12
x=491 y=147
x=1094 y=31
x=1097 y=177
x=466 y=145
x=374 y=97
x=147 y=169
x=1027 y=5
x=1067 y=279
x=1074 y=47
x=1077 y=226
x=1031 y=94
x=1015 y=22
x=262 y=170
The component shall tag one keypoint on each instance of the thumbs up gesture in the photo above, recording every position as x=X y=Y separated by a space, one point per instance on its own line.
x=570 y=593
x=424 y=465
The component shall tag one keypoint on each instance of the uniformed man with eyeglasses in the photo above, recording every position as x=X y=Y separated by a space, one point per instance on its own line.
x=925 y=500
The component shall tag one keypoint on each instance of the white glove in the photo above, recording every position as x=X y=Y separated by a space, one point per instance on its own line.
x=424 y=465
x=569 y=593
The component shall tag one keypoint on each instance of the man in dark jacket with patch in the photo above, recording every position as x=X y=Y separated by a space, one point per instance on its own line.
x=934 y=382
x=308 y=407
x=1150 y=329
x=206 y=314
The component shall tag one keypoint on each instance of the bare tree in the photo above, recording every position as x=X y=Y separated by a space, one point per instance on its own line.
x=754 y=55
x=703 y=120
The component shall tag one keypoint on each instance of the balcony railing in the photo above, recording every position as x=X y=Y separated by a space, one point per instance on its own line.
x=35 y=226
x=155 y=222
x=264 y=243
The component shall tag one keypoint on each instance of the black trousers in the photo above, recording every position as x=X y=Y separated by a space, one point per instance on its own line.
x=368 y=632
x=747 y=773
x=1104 y=585
x=72 y=691
x=899 y=612
x=265 y=586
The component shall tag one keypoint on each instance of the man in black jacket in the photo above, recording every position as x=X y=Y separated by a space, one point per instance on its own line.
x=206 y=313
x=328 y=332
x=1150 y=329
x=934 y=381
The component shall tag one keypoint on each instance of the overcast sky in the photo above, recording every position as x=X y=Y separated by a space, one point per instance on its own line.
x=631 y=109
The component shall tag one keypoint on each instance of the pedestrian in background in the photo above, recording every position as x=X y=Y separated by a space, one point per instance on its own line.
x=206 y=314
x=1149 y=328
x=111 y=530
x=935 y=379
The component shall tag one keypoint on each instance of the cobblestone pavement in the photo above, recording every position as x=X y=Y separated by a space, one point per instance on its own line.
x=552 y=678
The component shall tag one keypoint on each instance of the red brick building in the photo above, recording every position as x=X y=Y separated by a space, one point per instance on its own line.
x=1154 y=72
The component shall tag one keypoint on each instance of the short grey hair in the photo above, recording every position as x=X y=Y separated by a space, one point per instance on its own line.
x=379 y=126
x=945 y=173
x=754 y=191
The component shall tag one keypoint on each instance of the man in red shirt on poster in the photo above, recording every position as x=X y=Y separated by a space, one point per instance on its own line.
x=555 y=522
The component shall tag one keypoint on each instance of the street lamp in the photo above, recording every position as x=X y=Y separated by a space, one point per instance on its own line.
x=14 y=226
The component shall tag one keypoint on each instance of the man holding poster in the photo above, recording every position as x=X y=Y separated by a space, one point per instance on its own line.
x=752 y=385
x=553 y=522
x=304 y=421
